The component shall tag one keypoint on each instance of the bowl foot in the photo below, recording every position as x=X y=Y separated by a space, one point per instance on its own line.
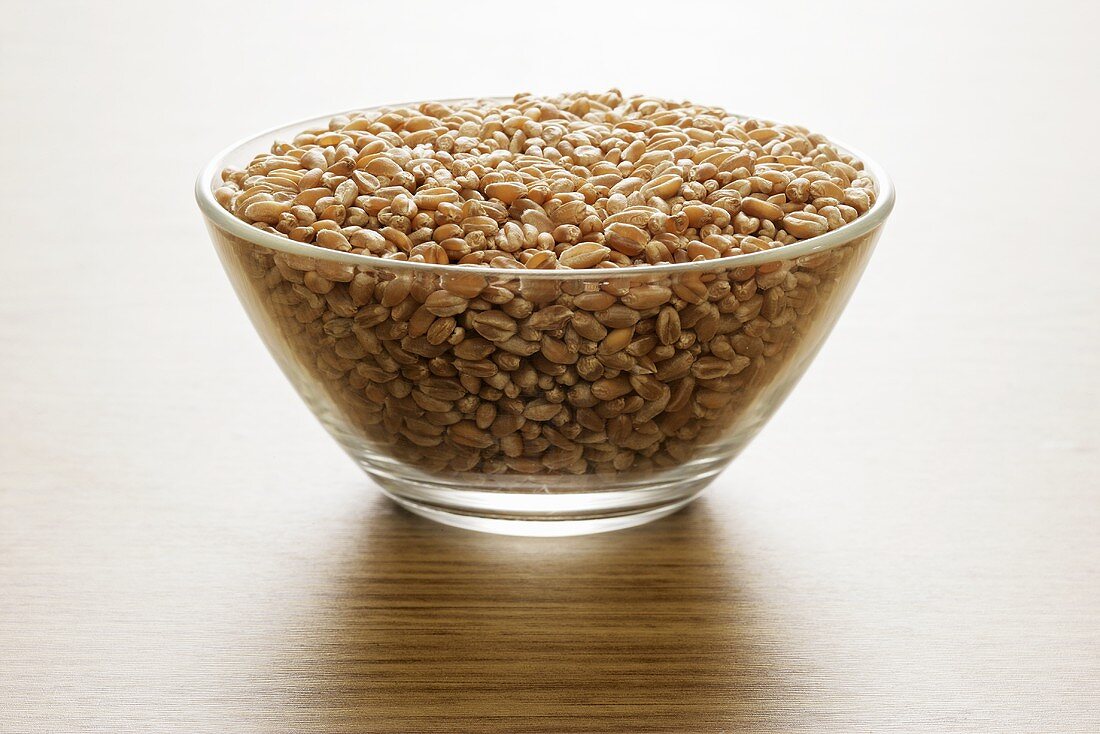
x=538 y=528
x=549 y=513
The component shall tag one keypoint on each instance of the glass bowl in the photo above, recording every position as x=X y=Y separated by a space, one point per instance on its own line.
x=539 y=402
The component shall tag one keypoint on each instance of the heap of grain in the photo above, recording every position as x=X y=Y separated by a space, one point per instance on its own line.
x=484 y=366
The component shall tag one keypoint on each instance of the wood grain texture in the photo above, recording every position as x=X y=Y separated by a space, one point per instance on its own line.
x=911 y=545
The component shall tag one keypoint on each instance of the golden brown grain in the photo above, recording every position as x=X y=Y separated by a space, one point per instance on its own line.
x=492 y=371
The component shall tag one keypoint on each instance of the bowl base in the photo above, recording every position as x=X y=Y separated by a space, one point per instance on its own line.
x=543 y=514
x=538 y=528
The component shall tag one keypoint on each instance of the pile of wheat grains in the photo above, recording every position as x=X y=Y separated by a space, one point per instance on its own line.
x=480 y=369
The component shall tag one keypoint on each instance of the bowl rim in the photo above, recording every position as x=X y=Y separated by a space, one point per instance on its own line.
x=217 y=216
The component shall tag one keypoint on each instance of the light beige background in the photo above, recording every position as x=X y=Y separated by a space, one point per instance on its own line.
x=920 y=524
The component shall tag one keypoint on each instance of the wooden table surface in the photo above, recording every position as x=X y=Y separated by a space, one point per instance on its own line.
x=913 y=544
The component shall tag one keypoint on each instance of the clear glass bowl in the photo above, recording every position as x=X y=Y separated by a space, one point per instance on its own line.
x=539 y=402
